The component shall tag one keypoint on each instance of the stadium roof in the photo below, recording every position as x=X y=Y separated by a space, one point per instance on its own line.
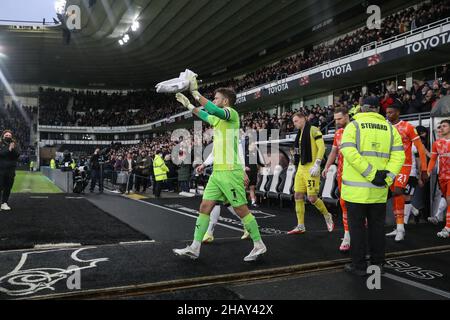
x=204 y=35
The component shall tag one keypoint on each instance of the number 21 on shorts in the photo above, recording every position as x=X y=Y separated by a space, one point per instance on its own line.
x=402 y=178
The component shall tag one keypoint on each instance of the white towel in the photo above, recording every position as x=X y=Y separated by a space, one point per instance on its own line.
x=175 y=85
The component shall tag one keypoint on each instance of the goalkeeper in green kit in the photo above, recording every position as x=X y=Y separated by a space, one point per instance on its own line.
x=227 y=183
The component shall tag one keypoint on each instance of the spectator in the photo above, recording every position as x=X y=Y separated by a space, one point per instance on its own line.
x=444 y=75
x=386 y=102
x=129 y=165
x=428 y=101
x=184 y=173
x=172 y=174
x=142 y=172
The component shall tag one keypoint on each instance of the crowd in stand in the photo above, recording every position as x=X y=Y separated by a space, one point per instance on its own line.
x=97 y=108
x=420 y=98
x=19 y=120
x=393 y=25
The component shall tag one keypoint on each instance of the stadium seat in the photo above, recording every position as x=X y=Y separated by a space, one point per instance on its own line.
x=287 y=194
x=329 y=187
x=266 y=180
x=273 y=192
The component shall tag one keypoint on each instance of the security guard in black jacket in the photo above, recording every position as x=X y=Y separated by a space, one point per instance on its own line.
x=9 y=154
x=97 y=163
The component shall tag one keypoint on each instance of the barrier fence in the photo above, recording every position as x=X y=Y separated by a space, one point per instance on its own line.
x=65 y=180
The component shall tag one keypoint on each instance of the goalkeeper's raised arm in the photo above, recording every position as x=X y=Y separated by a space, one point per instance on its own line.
x=218 y=108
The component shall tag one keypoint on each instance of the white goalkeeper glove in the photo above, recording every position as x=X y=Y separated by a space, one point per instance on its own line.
x=193 y=85
x=315 y=170
x=184 y=101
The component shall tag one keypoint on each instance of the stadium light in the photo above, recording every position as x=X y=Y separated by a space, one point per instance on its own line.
x=135 y=26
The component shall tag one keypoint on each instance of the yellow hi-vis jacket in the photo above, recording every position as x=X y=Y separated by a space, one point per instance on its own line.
x=159 y=168
x=354 y=110
x=52 y=164
x=369 y=144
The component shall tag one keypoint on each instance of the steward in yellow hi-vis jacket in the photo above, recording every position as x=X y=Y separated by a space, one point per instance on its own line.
x=373 y=156
x=160 y=171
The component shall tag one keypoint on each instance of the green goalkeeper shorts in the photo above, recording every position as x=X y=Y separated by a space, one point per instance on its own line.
x=226 y=186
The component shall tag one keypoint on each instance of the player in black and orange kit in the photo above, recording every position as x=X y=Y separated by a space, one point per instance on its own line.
x=441 y=150
x=342 y=119
x=409 y=137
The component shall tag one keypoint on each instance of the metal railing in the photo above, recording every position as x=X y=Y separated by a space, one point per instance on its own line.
x=419 y=117
x=404 y=36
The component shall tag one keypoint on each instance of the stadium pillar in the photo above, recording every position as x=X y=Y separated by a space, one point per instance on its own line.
x=331 y=99
x=409 y=80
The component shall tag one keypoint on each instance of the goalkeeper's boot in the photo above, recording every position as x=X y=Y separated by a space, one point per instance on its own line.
x=300 y=229
x=187 y=252
x=258 y=250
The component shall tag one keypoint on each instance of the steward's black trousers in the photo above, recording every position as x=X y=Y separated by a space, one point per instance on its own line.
x=97 y=177
x=6 y=183
x=376 y=216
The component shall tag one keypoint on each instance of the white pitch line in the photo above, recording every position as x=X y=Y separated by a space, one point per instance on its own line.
x=418 y=285
x=186 y=214
x=137 y=242
x=56 y=245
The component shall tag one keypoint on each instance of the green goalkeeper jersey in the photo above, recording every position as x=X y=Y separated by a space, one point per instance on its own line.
x=226 y=139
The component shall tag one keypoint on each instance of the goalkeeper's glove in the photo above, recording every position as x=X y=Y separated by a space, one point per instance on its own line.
x=184 y=101
x=315 y=170
x=193 y=86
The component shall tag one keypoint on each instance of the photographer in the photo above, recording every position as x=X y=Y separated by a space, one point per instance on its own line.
x=143 y=172
x=98 y=159
x=66 y=164
x=9 y=154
